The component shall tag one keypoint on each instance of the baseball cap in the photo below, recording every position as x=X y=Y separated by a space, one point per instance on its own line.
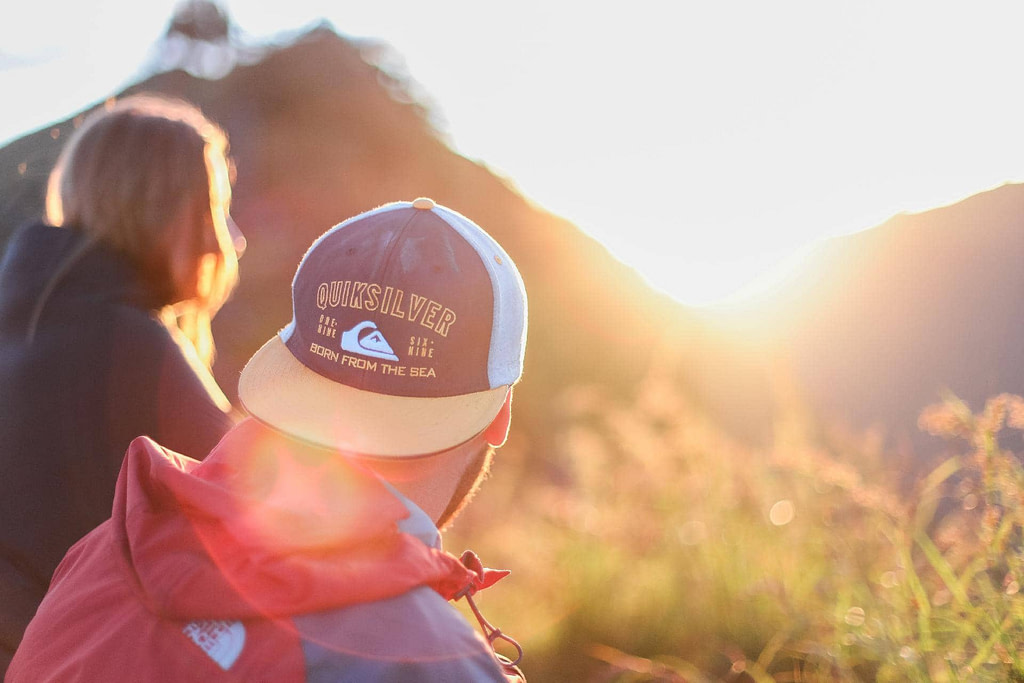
x=408 y=328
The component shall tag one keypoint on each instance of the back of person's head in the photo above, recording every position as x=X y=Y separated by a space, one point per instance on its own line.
x=149 y=177
x=408 y=332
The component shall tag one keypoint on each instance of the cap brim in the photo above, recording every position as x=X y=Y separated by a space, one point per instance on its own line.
x=279 y=390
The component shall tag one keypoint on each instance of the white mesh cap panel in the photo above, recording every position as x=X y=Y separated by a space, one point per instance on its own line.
x=508 y=331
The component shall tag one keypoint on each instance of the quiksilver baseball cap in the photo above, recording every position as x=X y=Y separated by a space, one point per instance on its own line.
x=408 y=329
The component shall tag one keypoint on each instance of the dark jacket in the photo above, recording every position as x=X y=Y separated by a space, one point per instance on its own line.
x=85 y=367
x=270 y=560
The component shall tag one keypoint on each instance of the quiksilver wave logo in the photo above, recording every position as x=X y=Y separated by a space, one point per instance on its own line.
x=222 y=641
x=366 y=340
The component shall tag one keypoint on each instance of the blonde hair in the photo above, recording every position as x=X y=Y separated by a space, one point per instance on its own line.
x=131 y=168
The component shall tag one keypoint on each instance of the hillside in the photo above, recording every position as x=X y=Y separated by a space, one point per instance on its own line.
x=923 y=304
x=879 y=324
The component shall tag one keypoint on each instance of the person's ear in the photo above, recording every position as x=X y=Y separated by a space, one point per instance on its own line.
x=497 y=431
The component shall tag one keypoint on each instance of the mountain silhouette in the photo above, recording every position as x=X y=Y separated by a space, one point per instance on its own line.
x=885 y=321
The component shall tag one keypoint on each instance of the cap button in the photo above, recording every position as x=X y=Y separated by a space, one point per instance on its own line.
x=423 y=203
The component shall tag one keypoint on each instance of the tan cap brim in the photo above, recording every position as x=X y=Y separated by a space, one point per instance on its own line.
x=279 y=390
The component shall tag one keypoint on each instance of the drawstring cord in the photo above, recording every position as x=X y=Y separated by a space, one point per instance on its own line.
x=490 y=632
x=485 y=578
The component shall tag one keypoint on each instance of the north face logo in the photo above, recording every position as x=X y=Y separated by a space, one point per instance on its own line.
x=222 y=641
x=366 y=340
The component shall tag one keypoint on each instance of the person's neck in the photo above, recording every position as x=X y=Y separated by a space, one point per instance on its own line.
x=429 y=481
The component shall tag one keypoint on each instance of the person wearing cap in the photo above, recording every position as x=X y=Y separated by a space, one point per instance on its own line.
x=105 y=329
x=305 y=546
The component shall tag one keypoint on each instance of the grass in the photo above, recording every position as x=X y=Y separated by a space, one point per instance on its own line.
x=657 y=549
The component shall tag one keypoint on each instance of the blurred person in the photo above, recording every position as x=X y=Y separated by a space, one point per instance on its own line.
x=105 y=313
x=305 y=547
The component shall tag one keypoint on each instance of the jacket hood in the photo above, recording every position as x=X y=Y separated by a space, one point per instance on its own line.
x=265 y=526
x=49 y=267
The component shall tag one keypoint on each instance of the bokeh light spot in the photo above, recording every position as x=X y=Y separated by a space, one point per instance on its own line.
x=782 y=512
x=692 y=532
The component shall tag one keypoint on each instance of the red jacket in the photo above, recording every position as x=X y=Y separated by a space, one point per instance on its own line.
x=269 y=560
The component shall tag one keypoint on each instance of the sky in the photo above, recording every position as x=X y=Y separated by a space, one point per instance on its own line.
x=708 y=145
